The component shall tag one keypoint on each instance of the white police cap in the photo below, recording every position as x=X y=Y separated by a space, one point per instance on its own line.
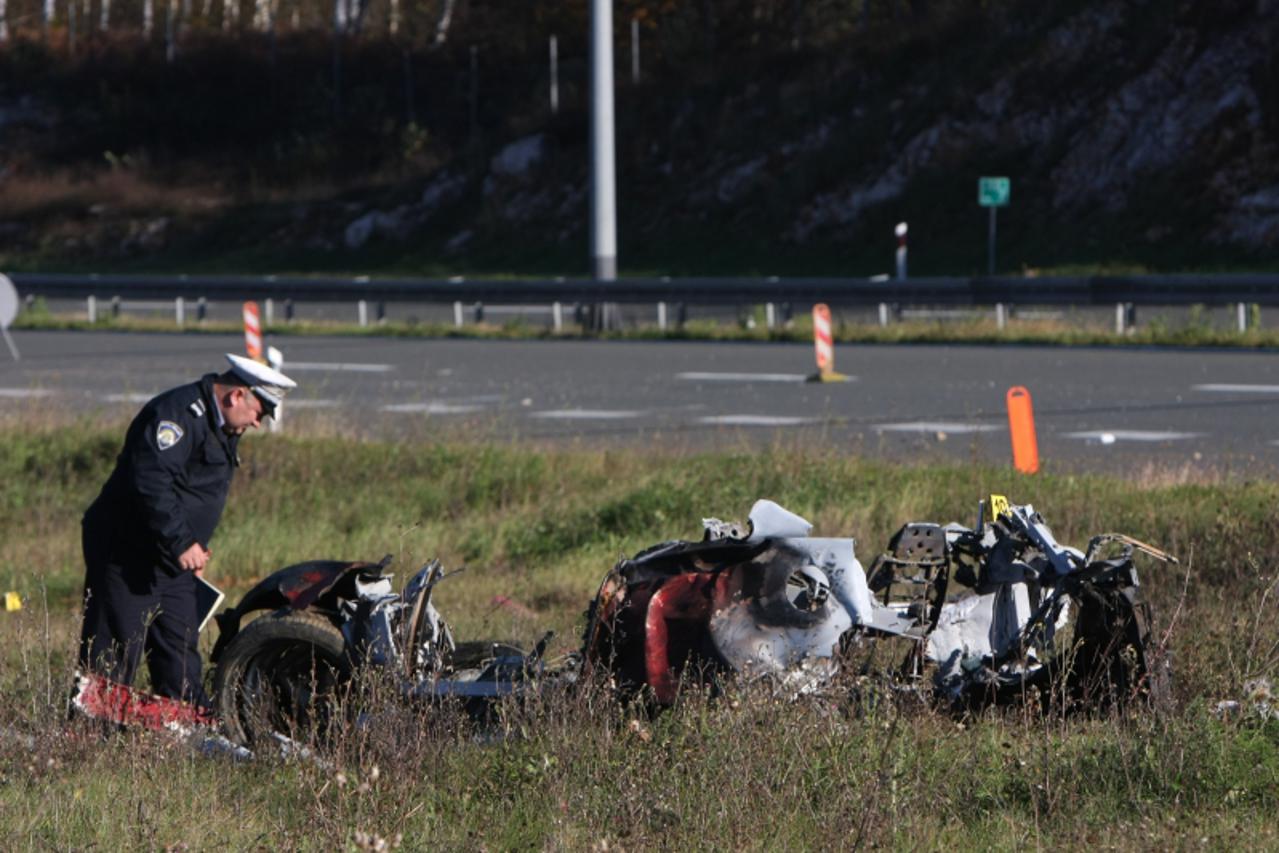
x=268 y=384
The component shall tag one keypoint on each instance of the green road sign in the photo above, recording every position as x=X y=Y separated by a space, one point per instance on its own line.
x=994 y=192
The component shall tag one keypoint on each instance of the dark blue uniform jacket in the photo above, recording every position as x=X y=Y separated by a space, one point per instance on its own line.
x=169 y=485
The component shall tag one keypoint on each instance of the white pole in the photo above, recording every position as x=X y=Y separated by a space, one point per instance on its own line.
x=275 y=358
x=92 y=308
x=900 y=231
x=457 y=314
x=603 y=176
x=179 y=311
x=1119 y=318
x=1241 y=316
x=1001 y=315
x=555 y=76
x=661 y=316
x=557 y=316
x=635 y=59
x=883 y=314
x=770 y=315
x=269 y=313
x=362 y=310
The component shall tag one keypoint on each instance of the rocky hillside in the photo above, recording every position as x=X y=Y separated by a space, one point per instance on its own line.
x=1136 y=134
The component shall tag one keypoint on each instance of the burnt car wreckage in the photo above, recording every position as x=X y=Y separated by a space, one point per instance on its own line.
x=985 y=615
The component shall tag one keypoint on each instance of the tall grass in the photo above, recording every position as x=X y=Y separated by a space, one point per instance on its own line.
x=576 y=769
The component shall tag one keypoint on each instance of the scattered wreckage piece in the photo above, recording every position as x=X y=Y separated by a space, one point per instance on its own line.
x=766 y=603
x=292 y=669
x=996 y=611
x=96 y=697
x=99 y=698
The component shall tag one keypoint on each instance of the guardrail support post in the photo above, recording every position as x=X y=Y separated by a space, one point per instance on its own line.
x=457 y=314
x=1241 y=316
x=883 y=314
x=661 y=316
x=269 y=318
x=179 y=311
x=1125 y=317
x=1001 y=316
x=362 y=312
x=202 y=309
x=770 y=316
x=557 y=316
x=91 y=306
x=115 y=306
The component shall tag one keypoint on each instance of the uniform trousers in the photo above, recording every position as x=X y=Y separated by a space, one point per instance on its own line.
x=139 y=609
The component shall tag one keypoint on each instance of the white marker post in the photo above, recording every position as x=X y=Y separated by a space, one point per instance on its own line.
x=900 y=231
x=8 y=310
x=275 y=358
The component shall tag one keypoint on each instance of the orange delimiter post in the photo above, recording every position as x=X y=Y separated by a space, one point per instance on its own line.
x=1021 y=426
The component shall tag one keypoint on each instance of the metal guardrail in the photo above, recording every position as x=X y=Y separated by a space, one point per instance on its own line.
x=1208 y=290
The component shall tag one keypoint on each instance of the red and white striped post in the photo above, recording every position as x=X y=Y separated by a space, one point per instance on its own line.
x=252 y=331
x=824 y=344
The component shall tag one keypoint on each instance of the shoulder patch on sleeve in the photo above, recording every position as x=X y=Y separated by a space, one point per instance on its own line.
x=168 y=434
x=197 y=408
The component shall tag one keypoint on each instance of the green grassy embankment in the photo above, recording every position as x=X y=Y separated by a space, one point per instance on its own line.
x=748 y=771
x=1192 y=331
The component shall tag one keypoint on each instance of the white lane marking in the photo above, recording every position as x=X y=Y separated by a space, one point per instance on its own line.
x=128 y=397
x=586 y=414
x=290 y=403
x=1132 y=435
x=742 y=377
x=937 y=426
x=432 y=408
x=25 y=393
x=755 y=420
x=338 y=366
x=1229 y=388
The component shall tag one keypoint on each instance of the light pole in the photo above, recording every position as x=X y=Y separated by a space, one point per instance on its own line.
x=603 y=178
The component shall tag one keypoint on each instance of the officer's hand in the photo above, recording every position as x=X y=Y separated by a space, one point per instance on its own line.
x=194 y=558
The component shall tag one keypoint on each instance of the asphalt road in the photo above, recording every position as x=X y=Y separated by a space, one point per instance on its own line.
x=1095 y=408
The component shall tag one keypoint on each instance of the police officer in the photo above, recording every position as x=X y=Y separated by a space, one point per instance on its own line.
x=146 y=537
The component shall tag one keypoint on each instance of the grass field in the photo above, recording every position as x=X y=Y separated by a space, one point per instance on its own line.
x=580 y=772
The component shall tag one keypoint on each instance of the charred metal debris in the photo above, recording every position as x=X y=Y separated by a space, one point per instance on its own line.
x=968 y=616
